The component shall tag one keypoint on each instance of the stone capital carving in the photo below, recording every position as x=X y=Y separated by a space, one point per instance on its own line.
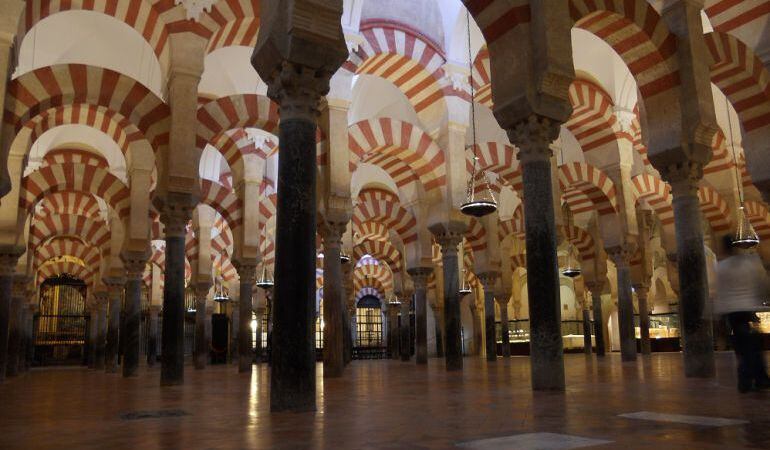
x=101 y=298
x=420 y=276
x=114 y=285
x=134 y=263
x=622 y=254
x=298 y=91
x=641 y=291
x=533 y=137
x=9 y=256
x=201 y=290
x=683 y=177
x=595 y=287
x=488 y=279
x=332 y=232
x=20 y=285
x=448 y=235
x=175 y=213
x=247 y=269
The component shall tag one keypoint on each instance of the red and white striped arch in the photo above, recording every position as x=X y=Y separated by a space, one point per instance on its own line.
x=759 y=217
x=63 y=155
x=476 y=235
x=232 y=23
x=370 y=291
x=593 y=122
x=742 y=77
x=406 y=58
x=40 y=90
x=731 y=15
x=224 y=201
x=372 y=275
x=582 y=240
x=481 y=78
x=67 y=246
x=722 y=158
x=499 y=158
x=714 y=209
x=234 y=144
x=91 y=232
x=639 y=36
x=514 y=226
x=69 y=202
x=587 y=188
x=236 y=111
x=403 y=150
x=657 y=194
x=379 y=205
x=141 y=15
x=371 y=230
x=57 y=268
x=383 y=251
x=518 y=260
x=75 y=177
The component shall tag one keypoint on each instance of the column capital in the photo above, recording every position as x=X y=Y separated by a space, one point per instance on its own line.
x=114 y=284
x=448 y=235
x=9 y=256
x=488 y=278
x=595 y=286
x=201 y=289
x=502 y=299
x=247 y=269
x=175 y=212
x=683 y=177
x=420 y=276
x=621 y=254
x=641 y=290
x=20 y=284
x=331 y=232
x=298 y=90
x=101 y=298
x=134 y=263
x=533 y=137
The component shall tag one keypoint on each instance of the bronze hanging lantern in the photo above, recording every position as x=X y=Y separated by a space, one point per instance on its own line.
x=572 y=270
x=745 y=235
x=265 y=280
x=465 y=287
x=485 y=203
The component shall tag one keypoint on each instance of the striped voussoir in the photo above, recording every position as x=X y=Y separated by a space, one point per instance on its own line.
x=582 y=240
x=513 y=226
x=639 y=36
x=56 y=268
x=402 y=149
x=75 y=177
x=742 y=77
x=518 y=260
x=63 y=155
x=759 y=217
x=587 y=188
x=379 y=205
x=235 y=111
x=38 y=92
x=383 y=251
x=722 y=158
x=730 y=15
x=593 y=121
x=235 y=144
x=406 y=58
x=476 y=235
x=69 y=202
x=656 y=193
x=67 y=246
x=369 y=291
x=715 y=209
x=481 y=78
x=500 y=159
x=378 y=276
x=370 y=230
x=223 y=201
x=95 y=233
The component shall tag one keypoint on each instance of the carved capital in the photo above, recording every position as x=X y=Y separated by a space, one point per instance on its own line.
x=134 y=263
x=332 y=232
x=298 y=91
x=9 y=256
x=533 y=137
x=175 y=213
x=201 y=290
x=488 y=279
x=247 y=270
x=622 y=254
x=595 y=287
x=420 y=276
x=114 y=285
x=683 y=177
x=101 y=298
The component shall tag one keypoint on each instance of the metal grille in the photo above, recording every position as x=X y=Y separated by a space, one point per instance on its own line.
x=62 y=322
x=368 y=327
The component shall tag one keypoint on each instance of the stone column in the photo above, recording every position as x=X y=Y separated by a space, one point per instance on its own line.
x=488 y=280
x=258 y=344
x=15 y=325
x=201 y=349
x=175 y=215
x=102 y=299
x=234 y=325
x=207 y=329
x=533 y=137
x=93 y=324
x=348 y=326
x=333 y=293
x=404 y=330
x=349 y=299
x=621 y=255
x=420 y=280
x=134 y=263
x=596 y=289
x=587 y=331
x=691 y=262
x=115 y=288
x=449 y=239
x=644 y=318
x=152 y=339
x=29 y=334
x=8 y=259
x=393 y=330
x=505 y=333
x=247 y=271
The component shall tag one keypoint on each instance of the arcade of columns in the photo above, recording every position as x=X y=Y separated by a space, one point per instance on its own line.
x=625 y=190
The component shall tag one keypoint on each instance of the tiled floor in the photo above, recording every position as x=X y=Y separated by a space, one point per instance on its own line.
x=384 y=405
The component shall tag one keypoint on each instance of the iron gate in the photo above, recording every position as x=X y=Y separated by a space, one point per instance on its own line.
x=62 y=323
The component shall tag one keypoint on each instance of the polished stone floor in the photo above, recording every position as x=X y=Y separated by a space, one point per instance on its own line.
x=391 y=405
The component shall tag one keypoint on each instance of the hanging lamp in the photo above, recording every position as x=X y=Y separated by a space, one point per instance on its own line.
x=265 y=280
x=484 y=203
x=220 y=296
x=745 y=236
x=465 y=287
x=344 y=257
